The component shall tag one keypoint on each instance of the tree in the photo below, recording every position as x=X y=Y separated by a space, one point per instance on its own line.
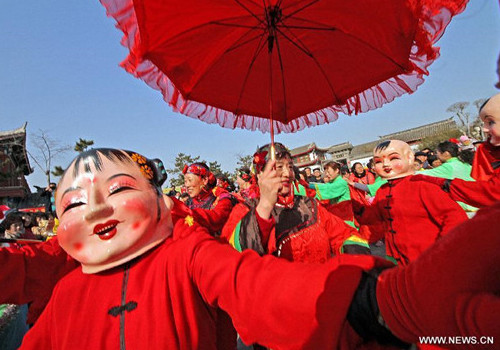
x=464 y=117
x=58 y=170
x=82 y=145
x=244 y=161
x=177 y=178
x=432 y=141
x=47 y=150
x=216 y=169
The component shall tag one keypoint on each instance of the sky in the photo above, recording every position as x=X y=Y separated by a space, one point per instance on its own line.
x=59 y=72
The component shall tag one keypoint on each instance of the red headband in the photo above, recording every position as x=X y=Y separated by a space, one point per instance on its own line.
x=196 y=170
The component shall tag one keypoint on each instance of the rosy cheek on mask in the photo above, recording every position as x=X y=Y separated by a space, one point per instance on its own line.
x=77 y=246
x=136 y=225
x=135 y=206
x=398 y=166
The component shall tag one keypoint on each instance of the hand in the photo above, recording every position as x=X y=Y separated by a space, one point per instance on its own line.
x=269 y=186
x=348 y=180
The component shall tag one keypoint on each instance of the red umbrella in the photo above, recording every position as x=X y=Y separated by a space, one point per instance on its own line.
x=240 y=62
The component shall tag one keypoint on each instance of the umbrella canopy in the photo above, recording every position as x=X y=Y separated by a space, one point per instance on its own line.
x=235 y=62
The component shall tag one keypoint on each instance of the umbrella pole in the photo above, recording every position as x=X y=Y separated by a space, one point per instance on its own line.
x=271 y=121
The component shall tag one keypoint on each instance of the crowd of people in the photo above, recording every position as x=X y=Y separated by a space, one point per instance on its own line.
x=283 y=260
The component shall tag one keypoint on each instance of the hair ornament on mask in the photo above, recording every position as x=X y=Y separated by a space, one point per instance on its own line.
x=160 y=173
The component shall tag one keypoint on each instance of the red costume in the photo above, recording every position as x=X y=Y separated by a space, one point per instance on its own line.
x=159 y=300
x=210 y=211
x=486 y=161
x=305 y=232
x=481 y=193
x=415 y=215
x=445 y=290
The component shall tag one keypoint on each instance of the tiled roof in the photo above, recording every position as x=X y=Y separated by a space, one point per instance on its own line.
x=15 y=140
x=340 y=147
x=21 y=131
x=410 y=135
x=306 y=149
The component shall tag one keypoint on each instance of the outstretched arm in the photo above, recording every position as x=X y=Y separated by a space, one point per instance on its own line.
x=451 y=289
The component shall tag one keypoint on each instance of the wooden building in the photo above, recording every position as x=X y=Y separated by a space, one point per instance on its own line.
x=312 y=156
x=14 y=164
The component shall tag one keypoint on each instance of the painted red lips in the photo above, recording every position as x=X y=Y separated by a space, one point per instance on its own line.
x=107 y=230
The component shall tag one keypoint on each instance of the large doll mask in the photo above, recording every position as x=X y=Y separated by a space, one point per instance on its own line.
x=393 y=159
x=490 y=116
x=109 y=209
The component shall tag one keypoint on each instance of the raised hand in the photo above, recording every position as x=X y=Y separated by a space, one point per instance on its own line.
x=269 y=185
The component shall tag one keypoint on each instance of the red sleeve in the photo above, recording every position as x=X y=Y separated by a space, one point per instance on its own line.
x=370 y=216
x=451 y=289
x=213 y=219
x=266 y=227
x=32 y=270
x=476 y=193
x=30 y=273
x=266 y=293
x=446 y=212
x=39 y=336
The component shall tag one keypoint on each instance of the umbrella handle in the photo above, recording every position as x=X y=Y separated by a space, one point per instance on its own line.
x=271 y=121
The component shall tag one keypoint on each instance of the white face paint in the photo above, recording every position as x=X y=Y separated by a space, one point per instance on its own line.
x=490 y=116
x=395 y=161
x=110 y=216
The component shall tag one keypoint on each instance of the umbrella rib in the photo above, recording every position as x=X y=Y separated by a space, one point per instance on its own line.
x=282 y=78
x=216 y=60
x=235 y=25
x=300 y=9
x=249 y=11
x=258 y=50
x=314 y=60
x=234 y=47
x=303 y=49
x=348 y=34
x=200 y=26
x=310 y=28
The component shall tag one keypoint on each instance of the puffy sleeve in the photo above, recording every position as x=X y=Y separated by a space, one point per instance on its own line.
x=32 y=271
x=307 y=301
x=476 y=193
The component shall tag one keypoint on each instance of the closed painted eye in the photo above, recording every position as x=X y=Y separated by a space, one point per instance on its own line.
x=72 y=205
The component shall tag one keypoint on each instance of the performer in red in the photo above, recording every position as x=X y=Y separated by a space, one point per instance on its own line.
x=145 y=282
x=279 y=222
x=485 y=168
x=209 y=210
x=360 y=175
x=247 y=184
x=414 y=214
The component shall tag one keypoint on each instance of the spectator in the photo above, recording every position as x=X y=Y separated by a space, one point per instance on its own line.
x=309 y=176
x=48 y=195
x=434 y=162
x=417 y=164
x=316 y=176
x=184 y=197
x=13 y=226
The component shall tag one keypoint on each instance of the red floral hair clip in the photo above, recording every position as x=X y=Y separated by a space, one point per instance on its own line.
x=195 y=169
x=259 y=159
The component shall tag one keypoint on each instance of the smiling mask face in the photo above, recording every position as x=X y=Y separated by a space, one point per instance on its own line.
x=490 y=116
x=109 y=211
x=393 y=159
